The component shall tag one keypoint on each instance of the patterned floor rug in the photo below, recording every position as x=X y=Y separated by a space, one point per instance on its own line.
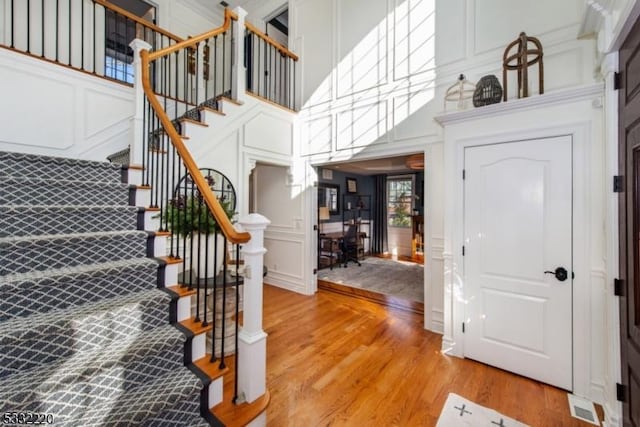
x=398 y=278
x=458 y=411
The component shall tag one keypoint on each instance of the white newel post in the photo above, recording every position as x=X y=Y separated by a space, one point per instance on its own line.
x=239 y=73
x=252 y=340
x=135 y=130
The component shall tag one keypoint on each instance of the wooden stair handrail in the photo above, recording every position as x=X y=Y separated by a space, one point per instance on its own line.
x=271 y=41
x=137 y=19
x=210 y=200
x=192 y=41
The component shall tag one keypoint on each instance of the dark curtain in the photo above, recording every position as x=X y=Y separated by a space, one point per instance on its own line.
x=379 y=216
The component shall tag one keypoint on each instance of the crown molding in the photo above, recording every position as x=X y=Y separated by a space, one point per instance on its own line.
x=522 y=104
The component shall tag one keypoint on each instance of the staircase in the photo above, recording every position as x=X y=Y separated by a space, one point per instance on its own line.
x=85 y=332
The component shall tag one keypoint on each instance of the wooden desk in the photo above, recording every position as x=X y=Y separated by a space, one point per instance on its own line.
x=330 y=248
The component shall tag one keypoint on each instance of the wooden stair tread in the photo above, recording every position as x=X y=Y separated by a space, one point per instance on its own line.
x=135 y=167
x=240 y=415
x=152 y=209
x=170 y=260
x=161 y=233
x=211 y=110
x=270 y=102
x=196 y=327
x=195 y=122
x=210 y=369
x=227 y=99
x=181 y=291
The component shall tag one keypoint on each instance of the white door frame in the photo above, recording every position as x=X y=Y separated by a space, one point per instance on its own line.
x=454 y=305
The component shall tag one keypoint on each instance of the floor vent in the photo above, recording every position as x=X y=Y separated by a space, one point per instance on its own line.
x=583 y=410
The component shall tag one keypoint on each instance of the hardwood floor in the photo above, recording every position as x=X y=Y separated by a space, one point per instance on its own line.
x=337 y=360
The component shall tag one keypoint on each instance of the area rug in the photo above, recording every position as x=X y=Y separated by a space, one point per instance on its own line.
x=398 y=278
x=458 y=411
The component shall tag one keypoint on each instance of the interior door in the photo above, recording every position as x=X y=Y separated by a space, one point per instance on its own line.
x=518 y=258
x=629 y=162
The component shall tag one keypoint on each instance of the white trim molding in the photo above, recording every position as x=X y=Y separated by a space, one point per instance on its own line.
x=567 y=112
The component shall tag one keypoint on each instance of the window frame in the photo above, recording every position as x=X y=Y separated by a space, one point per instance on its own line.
x=391 y=216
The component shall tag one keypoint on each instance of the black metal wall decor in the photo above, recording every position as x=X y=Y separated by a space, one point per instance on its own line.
x=218 y=182
x=520 y=61
x=488 y=91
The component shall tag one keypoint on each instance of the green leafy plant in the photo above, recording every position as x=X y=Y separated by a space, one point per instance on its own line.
x=187 y=215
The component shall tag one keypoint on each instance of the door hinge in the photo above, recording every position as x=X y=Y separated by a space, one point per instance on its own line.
x=462 y=250
x=621 y=392
x=616 y=80
x=618 y=287
x=315 y=227
x=315 y=271
x=463 y=327
x=618 y=184
x=464 y=174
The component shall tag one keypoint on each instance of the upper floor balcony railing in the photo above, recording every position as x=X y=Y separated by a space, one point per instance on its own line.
x=94 y=36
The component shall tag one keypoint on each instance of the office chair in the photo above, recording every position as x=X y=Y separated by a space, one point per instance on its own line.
x=350 y=245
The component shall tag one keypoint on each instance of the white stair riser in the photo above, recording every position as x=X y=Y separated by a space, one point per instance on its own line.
x=214 y=120
x=142 y=197
x=215 y=392
x=184 y=308
x=134 y=176
x=159 y=246
x=198 y=346
x=151 y=221
x=171 y=274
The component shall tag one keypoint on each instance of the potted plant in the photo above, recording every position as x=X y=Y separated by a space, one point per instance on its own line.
x=189 y=216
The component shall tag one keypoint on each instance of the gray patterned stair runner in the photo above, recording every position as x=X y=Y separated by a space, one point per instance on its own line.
x=35 y=220
x=84 y=329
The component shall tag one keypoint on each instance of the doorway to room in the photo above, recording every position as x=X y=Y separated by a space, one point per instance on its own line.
x=371 y=229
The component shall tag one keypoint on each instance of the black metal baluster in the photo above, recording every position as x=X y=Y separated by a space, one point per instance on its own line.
x=224 y=69
x=174 y=225
x=259 y=72
x=205 y=70
x=13 y=21
x=197 y=57
x=293 y=82
x=224 y=305
x=82 y=34
x=233 y=59
x=215 y=66
x=199 y=208
x=214 y=295
x=42 y=28
x=205 y=282
x=28 y=25
x=237 y=316
x=95 y=40
x=106 y=12
x=192 y=207
x=184 y=228
x=70 y=33
x=145 y=138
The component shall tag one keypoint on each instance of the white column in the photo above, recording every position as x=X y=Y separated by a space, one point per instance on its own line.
x=239 y=73
x=135 y=129
x=252 y=340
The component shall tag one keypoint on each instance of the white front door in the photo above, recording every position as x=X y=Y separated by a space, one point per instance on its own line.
x=517 y=226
